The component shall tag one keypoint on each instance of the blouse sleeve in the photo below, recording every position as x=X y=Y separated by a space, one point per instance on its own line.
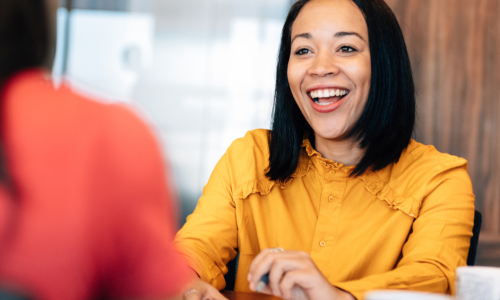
x=438 y=243
x=209 y=238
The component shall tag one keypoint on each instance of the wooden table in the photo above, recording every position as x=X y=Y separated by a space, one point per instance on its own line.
x=247 y=296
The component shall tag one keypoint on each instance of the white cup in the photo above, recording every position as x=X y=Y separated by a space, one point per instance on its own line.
x=404 y=295
x=478 y=283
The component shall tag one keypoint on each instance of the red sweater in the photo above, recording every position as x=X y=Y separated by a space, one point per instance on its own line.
x=92 y=215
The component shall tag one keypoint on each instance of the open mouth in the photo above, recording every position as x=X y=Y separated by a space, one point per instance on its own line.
x=326 y=97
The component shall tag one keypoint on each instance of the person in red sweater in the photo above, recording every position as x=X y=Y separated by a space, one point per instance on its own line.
x=85 y=208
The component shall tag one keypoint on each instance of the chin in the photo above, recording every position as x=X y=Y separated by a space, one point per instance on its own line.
x=329 y=134
x=329 y=131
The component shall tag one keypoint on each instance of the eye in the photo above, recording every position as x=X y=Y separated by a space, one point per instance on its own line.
x=347 y=49
x=302 y=51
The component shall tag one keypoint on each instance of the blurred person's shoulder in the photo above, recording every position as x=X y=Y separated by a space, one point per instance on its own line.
x=34 y=105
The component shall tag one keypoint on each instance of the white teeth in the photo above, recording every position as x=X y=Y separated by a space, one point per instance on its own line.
x=328 y=93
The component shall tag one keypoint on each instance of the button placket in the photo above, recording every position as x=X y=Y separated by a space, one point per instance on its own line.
x=329 y=215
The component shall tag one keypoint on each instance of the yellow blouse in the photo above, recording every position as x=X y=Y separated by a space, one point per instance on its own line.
x=407 y=226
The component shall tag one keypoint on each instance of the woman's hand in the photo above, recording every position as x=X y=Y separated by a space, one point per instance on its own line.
x=292 y=275
x=201 y=290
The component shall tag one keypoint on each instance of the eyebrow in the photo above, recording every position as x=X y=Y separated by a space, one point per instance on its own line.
x=338 y=34
x=302 y=35
x=347 y=33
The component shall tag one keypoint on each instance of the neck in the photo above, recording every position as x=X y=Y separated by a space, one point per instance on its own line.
x=341 y=151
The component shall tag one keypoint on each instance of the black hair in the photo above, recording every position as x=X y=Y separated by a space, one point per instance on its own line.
x=24 y=44
x=386 y=125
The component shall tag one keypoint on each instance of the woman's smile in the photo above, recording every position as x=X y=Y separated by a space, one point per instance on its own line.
x=326 y=99
x=329 y=70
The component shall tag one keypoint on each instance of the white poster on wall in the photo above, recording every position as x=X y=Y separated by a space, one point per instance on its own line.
x=106 y=51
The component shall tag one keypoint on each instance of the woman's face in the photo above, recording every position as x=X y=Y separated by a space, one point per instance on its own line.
x=329 y=69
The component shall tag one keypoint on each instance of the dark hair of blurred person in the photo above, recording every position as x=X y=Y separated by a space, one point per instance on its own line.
x=390 y=107
x=24 y=40
x=85 y=208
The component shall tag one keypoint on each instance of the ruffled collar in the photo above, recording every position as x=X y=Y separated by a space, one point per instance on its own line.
x=372 y=180
x=310 y=159
x=322 y=163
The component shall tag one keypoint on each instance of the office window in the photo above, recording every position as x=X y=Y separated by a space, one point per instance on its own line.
x=202 y=70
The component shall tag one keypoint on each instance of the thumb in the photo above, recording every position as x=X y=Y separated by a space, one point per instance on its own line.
x=297 y=293
x=193 y=293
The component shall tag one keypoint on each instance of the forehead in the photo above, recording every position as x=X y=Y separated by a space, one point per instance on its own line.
x=330 y=16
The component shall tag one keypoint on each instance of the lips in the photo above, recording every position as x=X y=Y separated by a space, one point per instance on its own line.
x=326 y=100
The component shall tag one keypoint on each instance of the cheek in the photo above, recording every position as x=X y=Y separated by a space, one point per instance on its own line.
x=291 y=78
x=365 y=72
x=360 y=74
x=295 y=77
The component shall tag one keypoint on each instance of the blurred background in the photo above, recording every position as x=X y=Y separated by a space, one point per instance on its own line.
x=202 y=72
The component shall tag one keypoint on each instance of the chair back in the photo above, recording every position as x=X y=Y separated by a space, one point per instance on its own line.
x=232 y=269
x=474 y=240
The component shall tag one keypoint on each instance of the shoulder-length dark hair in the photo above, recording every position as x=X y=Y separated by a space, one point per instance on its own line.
x=24 y=44
x=385 y=127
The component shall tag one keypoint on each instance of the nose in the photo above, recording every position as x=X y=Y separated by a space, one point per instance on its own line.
x=323 y=65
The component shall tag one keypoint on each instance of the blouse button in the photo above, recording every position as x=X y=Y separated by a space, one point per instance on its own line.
x=332 y=172
x=331 y=198
x=322 y=243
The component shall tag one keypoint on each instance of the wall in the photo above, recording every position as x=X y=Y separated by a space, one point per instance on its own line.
x=454 y=47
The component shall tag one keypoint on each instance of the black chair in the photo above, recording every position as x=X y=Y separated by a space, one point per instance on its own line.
x=230 y=277
x=474 y=240
x=232 y=266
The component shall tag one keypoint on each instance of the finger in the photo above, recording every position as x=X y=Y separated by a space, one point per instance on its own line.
x=283 y=262
x=262 y=267
x=290 y=283
x=298 y=293
x=261 y=264
x=267 y=290
x=192 y=295
x=213 y=294
x=201 y=290
x=282 y=265
x=253 y=277
x=262 y=256
x=256 y=261
x=276 y=273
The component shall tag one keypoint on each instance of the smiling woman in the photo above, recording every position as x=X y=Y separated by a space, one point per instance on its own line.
x=337 y=184
x=383 y=82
